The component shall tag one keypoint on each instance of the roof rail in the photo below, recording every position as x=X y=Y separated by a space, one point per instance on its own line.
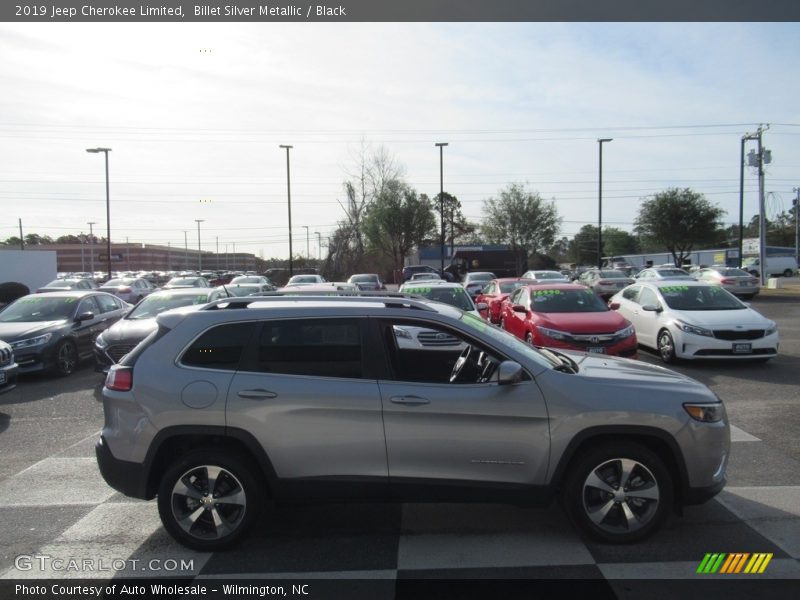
x=388 y=299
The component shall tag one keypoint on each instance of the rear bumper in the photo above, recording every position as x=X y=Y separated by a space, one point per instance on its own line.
x=126 y=477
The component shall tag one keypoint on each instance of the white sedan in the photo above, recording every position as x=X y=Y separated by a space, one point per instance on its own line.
x=695 y=320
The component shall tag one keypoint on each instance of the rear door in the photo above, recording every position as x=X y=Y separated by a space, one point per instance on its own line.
x=302 y=391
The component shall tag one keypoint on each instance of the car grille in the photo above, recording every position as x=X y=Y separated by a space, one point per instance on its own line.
x=435 y=338
x=593 y=340
x=117 y=352
x=6 y=357
x=729 y=334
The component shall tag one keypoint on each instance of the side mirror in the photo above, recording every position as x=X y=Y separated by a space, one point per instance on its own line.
x=482 y=306
x=519 y=308
x=87 y=316
x=614 y=306
x=652 y=308
x=509 y=372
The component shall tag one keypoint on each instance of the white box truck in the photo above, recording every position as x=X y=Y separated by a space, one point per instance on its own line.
x=777 y=266
x=23 y=272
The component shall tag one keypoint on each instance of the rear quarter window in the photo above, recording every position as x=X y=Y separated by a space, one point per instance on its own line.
x=220 y=347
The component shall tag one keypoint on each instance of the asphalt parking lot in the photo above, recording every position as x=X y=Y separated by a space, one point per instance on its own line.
x=53 y=502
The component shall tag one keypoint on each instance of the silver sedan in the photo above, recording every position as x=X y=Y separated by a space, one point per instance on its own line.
x=736 y=281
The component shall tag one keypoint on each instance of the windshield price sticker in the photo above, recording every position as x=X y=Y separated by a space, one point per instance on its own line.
x=546 y=292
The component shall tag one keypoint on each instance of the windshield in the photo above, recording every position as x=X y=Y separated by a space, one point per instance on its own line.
x=118 y=282
x=566 y=301
x=155 y=304
x=503 y=337
x=548 y=275
x=673 y=273
x=38 y=308
x=613 y=274
x=304 y=279
x=510 y=286
x=473 y=277
x=454 y=296
x=61 y=283
x=733 y=273
x=187 y=281
x=685 y=297
x=364 y=278
x=247 y=279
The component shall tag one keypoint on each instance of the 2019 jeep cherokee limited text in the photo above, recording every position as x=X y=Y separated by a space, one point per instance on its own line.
x=302 y=398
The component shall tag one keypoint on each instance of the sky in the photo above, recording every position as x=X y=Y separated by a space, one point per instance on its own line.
x=195 y=113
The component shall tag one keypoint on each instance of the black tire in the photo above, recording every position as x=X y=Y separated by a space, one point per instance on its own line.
x=666 y=347
x=196 y=519
x=788 y=273
x=66 y=358
x=639 y=509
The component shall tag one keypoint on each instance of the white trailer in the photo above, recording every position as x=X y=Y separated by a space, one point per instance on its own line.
x=24 y=271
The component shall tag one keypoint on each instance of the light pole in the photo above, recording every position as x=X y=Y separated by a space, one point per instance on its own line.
x=91 y=242
x=600 y=143
x=319 y=245
x=108 y=207
x=185 y=250
x=199 y=251
x=289 y=196
x=441 y=146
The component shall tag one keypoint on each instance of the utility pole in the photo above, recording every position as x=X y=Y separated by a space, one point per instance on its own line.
x=91 y=241
x=289 y=202
x=199 y=249
x=600 y=143
x=185 y=250
x=796 y=203
x=761 y=157
x=308 y=248
x=21 y=239
x=441 y=146
x=319 y=245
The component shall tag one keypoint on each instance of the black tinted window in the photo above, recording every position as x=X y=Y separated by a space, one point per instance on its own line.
x=220 y=347
x=315 y=347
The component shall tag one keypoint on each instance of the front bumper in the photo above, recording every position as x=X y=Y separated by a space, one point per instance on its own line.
x=8 y=377
x=693 y=347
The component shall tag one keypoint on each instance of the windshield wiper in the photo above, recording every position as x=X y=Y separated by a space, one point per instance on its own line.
x=565 y=364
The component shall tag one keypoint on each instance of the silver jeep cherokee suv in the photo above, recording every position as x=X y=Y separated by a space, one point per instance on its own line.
x=299 y=399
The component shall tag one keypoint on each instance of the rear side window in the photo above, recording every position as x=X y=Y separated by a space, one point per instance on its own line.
x=314 y=347
x=220 y=347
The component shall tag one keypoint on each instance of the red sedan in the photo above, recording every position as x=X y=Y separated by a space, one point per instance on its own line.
x=567 y=316
x=495 y=292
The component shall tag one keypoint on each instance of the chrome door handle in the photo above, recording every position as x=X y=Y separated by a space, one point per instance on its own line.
x=410 y=400
x=257 y=394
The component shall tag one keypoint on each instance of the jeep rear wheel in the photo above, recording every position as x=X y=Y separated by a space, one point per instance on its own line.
x=209 y=500
x=619 y=492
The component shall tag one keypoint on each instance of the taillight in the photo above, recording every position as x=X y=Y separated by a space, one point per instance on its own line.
x=728 y=281
x=603 y=282
x=125 y=290
x=120 y=378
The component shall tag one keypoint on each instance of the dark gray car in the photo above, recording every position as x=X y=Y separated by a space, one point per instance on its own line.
x=307 y=399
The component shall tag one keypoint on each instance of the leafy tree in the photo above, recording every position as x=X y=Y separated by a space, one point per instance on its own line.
x=34 y=239
x=583 y=247
x=398 y=220
x=522 y=219
x=457 y=229
x=678 y=219
x=12 y=241
x=618 y=241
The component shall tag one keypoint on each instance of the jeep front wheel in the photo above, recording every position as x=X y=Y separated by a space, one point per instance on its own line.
x=618 y=493
x=209 y=500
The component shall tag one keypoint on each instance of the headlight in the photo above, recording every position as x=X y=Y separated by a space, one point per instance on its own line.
x=625 y=333
x=30 y=342
x=402 y=333
x=100 y=342
x=705 y=412
x=553 y=333
x=694 y=329
x=772 y=328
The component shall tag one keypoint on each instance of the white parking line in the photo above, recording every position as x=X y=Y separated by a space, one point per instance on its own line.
x=739 y=435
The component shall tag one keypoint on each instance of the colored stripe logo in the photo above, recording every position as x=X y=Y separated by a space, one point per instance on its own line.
x=734 y=563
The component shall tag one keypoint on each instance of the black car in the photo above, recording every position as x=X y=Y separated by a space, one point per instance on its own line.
x=8 y=368
x=54 y=331
x=114 y=343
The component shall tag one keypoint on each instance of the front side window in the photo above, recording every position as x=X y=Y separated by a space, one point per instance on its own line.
x=648 y=296
x=220 y=347
x=312 y=347
x=631 y=293
x=88 y=305
x=107 y=304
